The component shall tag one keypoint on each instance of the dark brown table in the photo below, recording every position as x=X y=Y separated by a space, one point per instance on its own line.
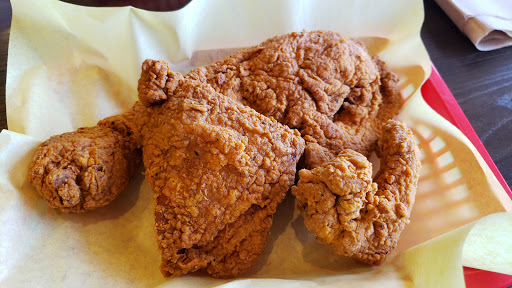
x=480 y=81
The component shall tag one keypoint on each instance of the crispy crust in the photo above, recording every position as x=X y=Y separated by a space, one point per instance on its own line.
x=354 y=215
x=84 y=169
x=219 y=169
x=326 y=86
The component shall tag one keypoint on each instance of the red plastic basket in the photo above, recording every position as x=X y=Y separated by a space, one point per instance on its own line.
x=438 y=96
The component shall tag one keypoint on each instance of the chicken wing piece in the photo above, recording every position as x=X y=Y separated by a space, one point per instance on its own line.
x=218 y=169
x=352 y=214
x=326 y=86
x=87 y=168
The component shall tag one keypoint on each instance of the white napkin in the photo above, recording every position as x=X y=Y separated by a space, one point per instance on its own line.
x=488 y=24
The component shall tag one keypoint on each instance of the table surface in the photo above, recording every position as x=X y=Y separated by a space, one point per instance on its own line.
x=481 y=82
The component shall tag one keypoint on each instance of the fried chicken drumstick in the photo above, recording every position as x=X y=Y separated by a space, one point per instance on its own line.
x=353 y=214
x=85 y=169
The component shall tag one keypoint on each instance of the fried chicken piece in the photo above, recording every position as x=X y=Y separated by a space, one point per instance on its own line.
x=87 y=168
x=218 y=169
x=326 y=86
x=353 y=215
x=240 y=244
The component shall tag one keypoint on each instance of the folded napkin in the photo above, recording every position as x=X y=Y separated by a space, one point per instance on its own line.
x=488 y=24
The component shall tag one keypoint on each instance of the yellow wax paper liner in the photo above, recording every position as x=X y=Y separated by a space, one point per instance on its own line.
x=70 y=66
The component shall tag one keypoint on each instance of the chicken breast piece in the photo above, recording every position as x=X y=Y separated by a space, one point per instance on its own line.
x=218 y=169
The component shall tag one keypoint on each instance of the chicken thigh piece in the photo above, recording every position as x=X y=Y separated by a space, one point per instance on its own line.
x=326 y=86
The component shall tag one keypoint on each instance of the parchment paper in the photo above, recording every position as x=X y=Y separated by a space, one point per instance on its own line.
x=487 y=24
x=70 y=66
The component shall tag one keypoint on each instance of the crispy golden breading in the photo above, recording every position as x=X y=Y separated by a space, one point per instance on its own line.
x=85 y=169
x=354 y=215
x=218 y=169
x=326 y=86
x=241 y=242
